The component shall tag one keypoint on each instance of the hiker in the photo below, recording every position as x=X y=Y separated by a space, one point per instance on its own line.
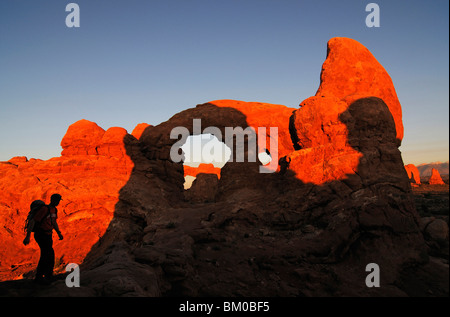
x=42 y=224
x=284 y=164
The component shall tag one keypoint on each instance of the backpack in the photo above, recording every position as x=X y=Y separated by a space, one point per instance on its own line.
x=34 y=208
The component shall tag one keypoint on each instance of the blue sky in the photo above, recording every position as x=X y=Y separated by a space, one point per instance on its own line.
x=135 y=61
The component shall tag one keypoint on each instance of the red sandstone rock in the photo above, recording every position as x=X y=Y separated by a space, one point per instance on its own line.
x=139 y=129
x=413 y=173
x=82 y=138
x=258 y=114
x=18 y=160
x=89 y=175
x=351 y=72
x=112 y=143
x=344 y=202
x=325 y=154
x=202 y=168
x=435 y=178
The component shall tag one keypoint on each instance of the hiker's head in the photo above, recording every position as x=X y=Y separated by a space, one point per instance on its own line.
x=55 y=199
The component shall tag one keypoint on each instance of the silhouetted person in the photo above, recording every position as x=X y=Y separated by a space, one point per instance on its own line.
x=43 y=224
x=284 y=164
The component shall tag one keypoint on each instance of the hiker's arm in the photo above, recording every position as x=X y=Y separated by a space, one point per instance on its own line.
x=55 y=226
x=29 y=229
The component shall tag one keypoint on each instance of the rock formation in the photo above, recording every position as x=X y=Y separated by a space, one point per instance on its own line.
x=425 y=169
x=204 y=189
x=413 y=173
x=435 y=178
x=344 y=202
x=139 y=129
x=93 y=168
x=190 y=173
x=351 y=72
x=82 y=138
x=202 y=168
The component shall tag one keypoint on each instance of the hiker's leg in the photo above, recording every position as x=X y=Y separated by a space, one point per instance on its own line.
x=51 y=259
x=41 y=264
x=48 y=256
x=47 y=259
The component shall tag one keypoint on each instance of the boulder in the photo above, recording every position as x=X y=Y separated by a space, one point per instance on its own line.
x=82 y=138
x=437 y=230
x=112 y=143
x=18 y=160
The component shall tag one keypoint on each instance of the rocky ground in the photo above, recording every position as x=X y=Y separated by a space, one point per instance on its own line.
x=238 y=252
x=432 y=203
x=432 y=200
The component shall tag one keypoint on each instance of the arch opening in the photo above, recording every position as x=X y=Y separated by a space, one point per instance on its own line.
x=203 y=153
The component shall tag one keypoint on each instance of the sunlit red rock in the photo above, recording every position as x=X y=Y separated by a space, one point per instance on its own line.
x=325 y=154
x=18 y=160
x=351 y=72
x=435 y=178
x=139 y=129
x=264 y=115
x=82 y=138
x=413 y=173
x=201 y=168
x=89 y=175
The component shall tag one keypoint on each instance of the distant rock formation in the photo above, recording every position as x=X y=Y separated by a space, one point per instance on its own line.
x=413 y=173
x=18 y=160
x=435 y=178
x=425 y=169
x=202 y=168
x=190 y=173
